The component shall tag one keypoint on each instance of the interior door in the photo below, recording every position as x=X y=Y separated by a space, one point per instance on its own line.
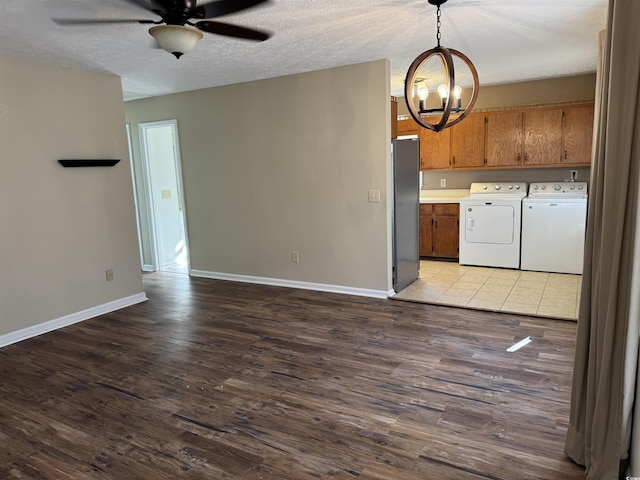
x=406 y=204
x=161 y=152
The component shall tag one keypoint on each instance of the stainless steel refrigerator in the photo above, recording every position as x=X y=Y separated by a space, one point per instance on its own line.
x=406 y=211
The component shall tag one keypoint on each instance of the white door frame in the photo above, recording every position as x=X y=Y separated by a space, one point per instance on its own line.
x=136 y=203
x=142 y=127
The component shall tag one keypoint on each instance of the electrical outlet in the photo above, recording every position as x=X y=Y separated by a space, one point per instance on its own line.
x=574 y=175
x=109 y=273
x=443 y=182
x=295 y=257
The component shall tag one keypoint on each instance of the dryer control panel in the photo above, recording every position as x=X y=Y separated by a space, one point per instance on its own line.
x=558 y=189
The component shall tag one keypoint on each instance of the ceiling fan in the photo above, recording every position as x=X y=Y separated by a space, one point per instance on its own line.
x=175 y=32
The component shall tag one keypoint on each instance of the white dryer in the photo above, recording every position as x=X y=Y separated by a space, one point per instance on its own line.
x=554 y=217
x=490 y=220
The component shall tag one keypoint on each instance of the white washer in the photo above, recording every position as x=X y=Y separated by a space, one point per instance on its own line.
x=554 y=217
x=490 y=219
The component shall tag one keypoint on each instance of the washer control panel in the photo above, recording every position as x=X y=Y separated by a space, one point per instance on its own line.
x=563 y=189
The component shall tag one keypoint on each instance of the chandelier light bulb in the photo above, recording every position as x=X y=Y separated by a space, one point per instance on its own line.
x=443 y=91
x=423 y=91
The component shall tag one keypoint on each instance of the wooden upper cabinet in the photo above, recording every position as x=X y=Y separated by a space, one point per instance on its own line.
x=434 y=148
x=467 y=142
x=407 y=126
x=542 y=136
x=547 y=136
x=504 y=139
x=577 y=134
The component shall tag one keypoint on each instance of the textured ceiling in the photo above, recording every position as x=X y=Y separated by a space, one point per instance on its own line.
x=507 y=40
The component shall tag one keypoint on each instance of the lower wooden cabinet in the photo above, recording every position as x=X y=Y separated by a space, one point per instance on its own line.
x=439 y=231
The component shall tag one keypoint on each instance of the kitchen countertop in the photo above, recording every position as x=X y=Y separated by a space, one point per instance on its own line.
x=452 y=195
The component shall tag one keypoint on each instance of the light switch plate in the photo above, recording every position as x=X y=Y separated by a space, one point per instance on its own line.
x=374 y=196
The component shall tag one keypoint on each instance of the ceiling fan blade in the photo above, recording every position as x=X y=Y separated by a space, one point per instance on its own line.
x=156 y=6
x=224 y=7
x=97 y=21
x=235 y=31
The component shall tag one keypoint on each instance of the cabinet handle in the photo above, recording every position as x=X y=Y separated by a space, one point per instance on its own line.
x=519 y=158
x=454 y=160
x=565 y=154
x=526 y=157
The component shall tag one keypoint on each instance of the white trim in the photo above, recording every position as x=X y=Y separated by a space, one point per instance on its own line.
x=146 y=174
x=135 y=193
x=70 y=319
x=321 y=287
x=148 y=268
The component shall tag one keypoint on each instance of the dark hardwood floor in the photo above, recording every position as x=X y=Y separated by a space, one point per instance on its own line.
x=221 y=380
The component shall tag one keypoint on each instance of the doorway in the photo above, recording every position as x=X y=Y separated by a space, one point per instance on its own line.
x=164 y=192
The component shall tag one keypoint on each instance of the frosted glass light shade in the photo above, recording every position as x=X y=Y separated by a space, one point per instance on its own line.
x=176 y=39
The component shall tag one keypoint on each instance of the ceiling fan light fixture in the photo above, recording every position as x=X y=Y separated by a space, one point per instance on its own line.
x=176 y=39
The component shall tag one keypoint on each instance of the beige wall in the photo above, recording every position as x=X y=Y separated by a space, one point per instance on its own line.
x=60 y=228
x=551 y=90
x=285 y=164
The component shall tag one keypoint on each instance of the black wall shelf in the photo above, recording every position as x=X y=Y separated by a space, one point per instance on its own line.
x=88 y=163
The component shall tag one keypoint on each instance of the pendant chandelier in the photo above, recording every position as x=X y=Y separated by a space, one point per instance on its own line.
x=416 y=87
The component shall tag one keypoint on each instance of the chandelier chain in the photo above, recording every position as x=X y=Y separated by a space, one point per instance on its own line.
x=438 y=23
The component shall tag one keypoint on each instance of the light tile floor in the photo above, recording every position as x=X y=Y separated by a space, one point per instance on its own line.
x=554 y=295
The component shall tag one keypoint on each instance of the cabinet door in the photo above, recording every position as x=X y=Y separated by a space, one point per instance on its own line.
x=543 y=136
x=407 y=127
x=426 y=226
x=445 y=236
x=504 y=139
x=577 y=134
x=434 y=149
x=446 y=232
x=467 y=142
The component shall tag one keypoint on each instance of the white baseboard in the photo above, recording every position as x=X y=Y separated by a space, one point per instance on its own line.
x=54 y=324
x=148 y=268
x=320 y=287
